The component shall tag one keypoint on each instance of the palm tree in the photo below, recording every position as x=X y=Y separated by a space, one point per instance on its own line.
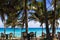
x=3 y=12
x=46 y=19
x=41 y=17
x=14 y=15
x=26 y=18
x=12 y=23
x=9 y=8
x=36 y=15
x=54 y=16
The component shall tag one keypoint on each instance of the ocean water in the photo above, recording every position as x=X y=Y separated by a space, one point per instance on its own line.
x=19 y=30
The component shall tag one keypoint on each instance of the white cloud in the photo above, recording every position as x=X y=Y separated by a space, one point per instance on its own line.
x=33 y=24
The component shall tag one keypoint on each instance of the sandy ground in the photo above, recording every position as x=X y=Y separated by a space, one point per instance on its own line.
x=21 y=39
x=38 y=38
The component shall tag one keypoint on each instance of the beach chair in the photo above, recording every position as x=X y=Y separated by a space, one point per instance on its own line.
x=24 y=35
x=10 y=36
x=3 y=36
x=32 y=35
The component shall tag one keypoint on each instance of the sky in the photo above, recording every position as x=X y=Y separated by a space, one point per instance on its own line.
x=34 y=24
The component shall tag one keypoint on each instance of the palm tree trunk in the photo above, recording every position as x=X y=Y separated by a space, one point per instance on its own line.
x=4 y=30
x=42 y=29
x=53 y=29
x=46 y=19
x=14 y=31
x=26 y=16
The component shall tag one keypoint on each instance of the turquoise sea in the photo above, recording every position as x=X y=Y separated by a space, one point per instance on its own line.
x=19 y=30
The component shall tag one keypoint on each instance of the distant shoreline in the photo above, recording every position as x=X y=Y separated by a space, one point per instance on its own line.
x=44 y=28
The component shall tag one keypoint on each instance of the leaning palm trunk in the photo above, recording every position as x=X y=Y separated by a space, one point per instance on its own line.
x=53 y=29
x=4 y=28
x=46 y=19
x=26 y=18
x=14 y=30
x=4 y=31
x=42 y=29
x=13 y=26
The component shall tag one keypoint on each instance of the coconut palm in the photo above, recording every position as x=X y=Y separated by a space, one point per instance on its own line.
x=53 y=20
x=46 y=19
x=37 y=16
x=37 y=7
x=3 y=13
x=53 y=29
x=12 y=23
x=9 y=7
x=56 y=9
x=12 y=8
x=41 y=16
x=25 y=12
